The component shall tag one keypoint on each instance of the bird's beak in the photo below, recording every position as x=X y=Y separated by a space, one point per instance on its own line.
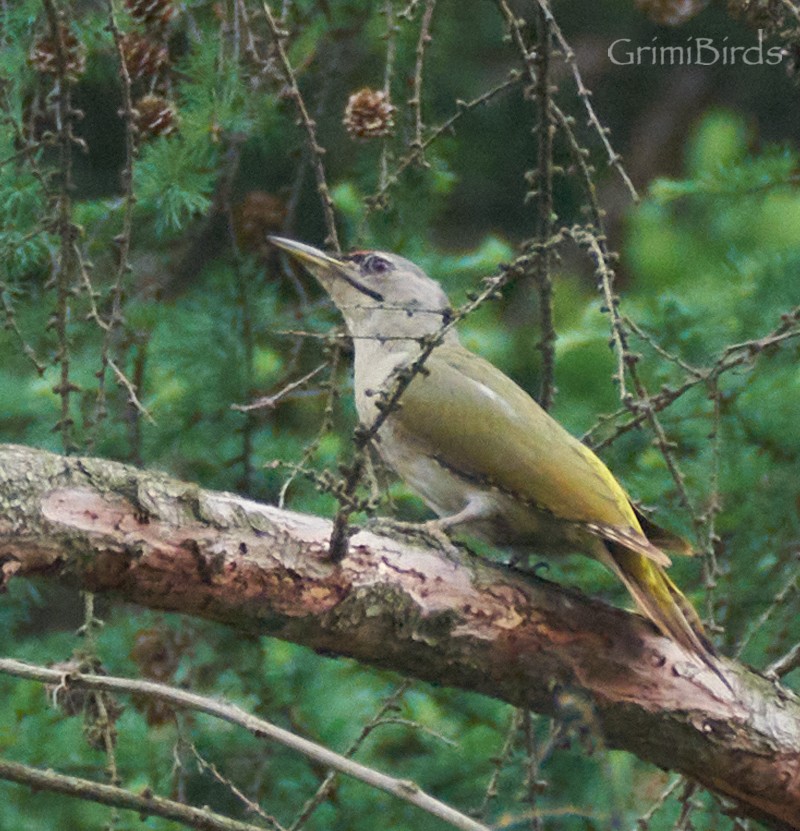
x=309 y=256
x=324 y=267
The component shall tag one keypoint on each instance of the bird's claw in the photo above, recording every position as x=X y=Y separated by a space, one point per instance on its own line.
x=430 y=533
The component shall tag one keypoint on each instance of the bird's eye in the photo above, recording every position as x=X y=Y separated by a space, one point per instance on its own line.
x=373 y=264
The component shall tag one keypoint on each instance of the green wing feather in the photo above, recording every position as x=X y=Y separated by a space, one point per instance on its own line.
x=511 y=441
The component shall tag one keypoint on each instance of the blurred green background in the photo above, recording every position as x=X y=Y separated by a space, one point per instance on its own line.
x=708 y=259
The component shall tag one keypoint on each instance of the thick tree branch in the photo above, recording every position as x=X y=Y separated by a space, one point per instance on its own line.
x=440 y=616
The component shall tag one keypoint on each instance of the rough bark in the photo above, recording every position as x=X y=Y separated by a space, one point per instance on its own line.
x=442 y=616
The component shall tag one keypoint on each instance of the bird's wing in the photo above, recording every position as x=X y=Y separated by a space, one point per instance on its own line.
x=663 y=537
x=507 y=440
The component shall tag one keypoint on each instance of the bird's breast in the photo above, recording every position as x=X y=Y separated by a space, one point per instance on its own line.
x=373 y=375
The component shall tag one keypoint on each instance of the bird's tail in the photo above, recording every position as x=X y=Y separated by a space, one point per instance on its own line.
x=662 y=601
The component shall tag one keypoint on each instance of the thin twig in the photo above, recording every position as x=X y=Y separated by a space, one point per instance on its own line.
x=250 y=40
x=786 y=663
x=415 y=102
x=123 y=239
x=792 y=9
x=545 y=218
x=402 y=789
x=390 y=703
x=643 y=823
x=323 y=95
x=408 y=12
x=594 y=239
x=145 y=804
x=92 y=295
x=499 y=762
x=98 y=719
x=133 y=399
x=641 y=402
x=688 y=805
x=251 y=806
x=63 y=264
x=271 y=401
x=732 y=357
x=138 y=343
x=388 y=74
x=28 y=150
x=791 y=585
x=309 y=125
x=11 y=323
x=447 y=126
x=533 y=784
x=333 y=348
x=594 y=244
x=584 y=93
x=708 y=520
x=658 y=349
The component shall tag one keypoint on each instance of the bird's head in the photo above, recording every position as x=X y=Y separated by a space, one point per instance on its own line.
x=380 y=295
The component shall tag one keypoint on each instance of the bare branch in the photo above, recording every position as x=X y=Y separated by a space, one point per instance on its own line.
x=391 y=178
x=146 y=804
x=270 y=401
x=63 y=265
x=735 y=356
x=585 y=94
x=327 y=784
x=786 y=663
x=402 y=789
x=130 y=387
x=415 y=101
x=123 y=239
x=316 y=150
x=11 y=323
x=545 y=215
x=254 y=807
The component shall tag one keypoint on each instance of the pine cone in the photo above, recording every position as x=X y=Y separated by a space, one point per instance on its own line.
x=143 y=57
x=769 y=15
x=44 y=54
x=258 y=215
x=155 y=116
x=99 y=721
x=154 y=14
x=671 y=12
x=369 y=114
x=158 y=652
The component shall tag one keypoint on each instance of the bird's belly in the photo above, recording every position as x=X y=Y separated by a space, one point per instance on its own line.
x=505 y=521
x=444 y=493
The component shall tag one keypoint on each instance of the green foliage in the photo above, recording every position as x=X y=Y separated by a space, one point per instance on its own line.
x=174 y=181
x=732 y=222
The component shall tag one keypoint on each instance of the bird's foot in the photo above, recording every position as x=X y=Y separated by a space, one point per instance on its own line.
x=429 y=533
